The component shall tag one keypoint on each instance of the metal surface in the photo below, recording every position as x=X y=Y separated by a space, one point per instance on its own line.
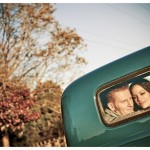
x=82 y=123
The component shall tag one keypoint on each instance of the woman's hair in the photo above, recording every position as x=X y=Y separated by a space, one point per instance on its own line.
x=142 y=82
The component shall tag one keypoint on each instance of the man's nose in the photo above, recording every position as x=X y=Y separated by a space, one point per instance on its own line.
x=130 y=102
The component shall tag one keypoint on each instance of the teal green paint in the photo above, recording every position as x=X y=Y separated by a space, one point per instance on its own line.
x=82 y=124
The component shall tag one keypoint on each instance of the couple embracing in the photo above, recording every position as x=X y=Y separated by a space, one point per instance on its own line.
x=122 y=100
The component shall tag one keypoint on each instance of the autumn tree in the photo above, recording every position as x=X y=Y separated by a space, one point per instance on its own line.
x=22 y=53
x=16 y=110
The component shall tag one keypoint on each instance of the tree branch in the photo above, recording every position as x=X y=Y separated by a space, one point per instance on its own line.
x=28 y=71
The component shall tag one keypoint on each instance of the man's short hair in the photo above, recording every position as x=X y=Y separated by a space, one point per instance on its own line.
x=109 y=95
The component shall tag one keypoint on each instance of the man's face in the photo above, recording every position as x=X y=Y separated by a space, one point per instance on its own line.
x=122 y=102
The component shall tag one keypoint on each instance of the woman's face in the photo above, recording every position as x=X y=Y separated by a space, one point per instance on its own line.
x=141 y=96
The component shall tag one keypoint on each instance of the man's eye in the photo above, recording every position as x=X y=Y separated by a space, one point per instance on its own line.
x=123 y=101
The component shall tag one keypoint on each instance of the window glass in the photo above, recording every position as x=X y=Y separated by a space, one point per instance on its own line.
x=126 y=98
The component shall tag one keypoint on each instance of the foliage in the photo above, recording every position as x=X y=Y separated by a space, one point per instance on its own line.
x=47 y=130
x=21 y=50
x=16 y=108
x=25 y=58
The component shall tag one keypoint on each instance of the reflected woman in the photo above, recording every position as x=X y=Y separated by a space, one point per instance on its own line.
x=140 y=91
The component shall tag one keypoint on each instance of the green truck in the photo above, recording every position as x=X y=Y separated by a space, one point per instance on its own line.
x=83 y=106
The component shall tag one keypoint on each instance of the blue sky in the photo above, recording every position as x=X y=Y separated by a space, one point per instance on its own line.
x=111 y=30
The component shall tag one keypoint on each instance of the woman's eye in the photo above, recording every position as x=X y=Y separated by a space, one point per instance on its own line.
x=142 y=93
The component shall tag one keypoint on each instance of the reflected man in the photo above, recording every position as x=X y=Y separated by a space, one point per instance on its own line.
x=119 y=102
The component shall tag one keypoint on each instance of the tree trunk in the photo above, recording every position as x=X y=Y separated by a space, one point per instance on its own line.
x=5 y=140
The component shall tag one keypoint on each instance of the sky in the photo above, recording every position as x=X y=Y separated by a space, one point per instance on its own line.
x=110 y=30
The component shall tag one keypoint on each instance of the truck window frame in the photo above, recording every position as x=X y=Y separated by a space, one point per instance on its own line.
x=145 y=72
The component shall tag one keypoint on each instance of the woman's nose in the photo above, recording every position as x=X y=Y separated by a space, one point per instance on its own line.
x=139 y=98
